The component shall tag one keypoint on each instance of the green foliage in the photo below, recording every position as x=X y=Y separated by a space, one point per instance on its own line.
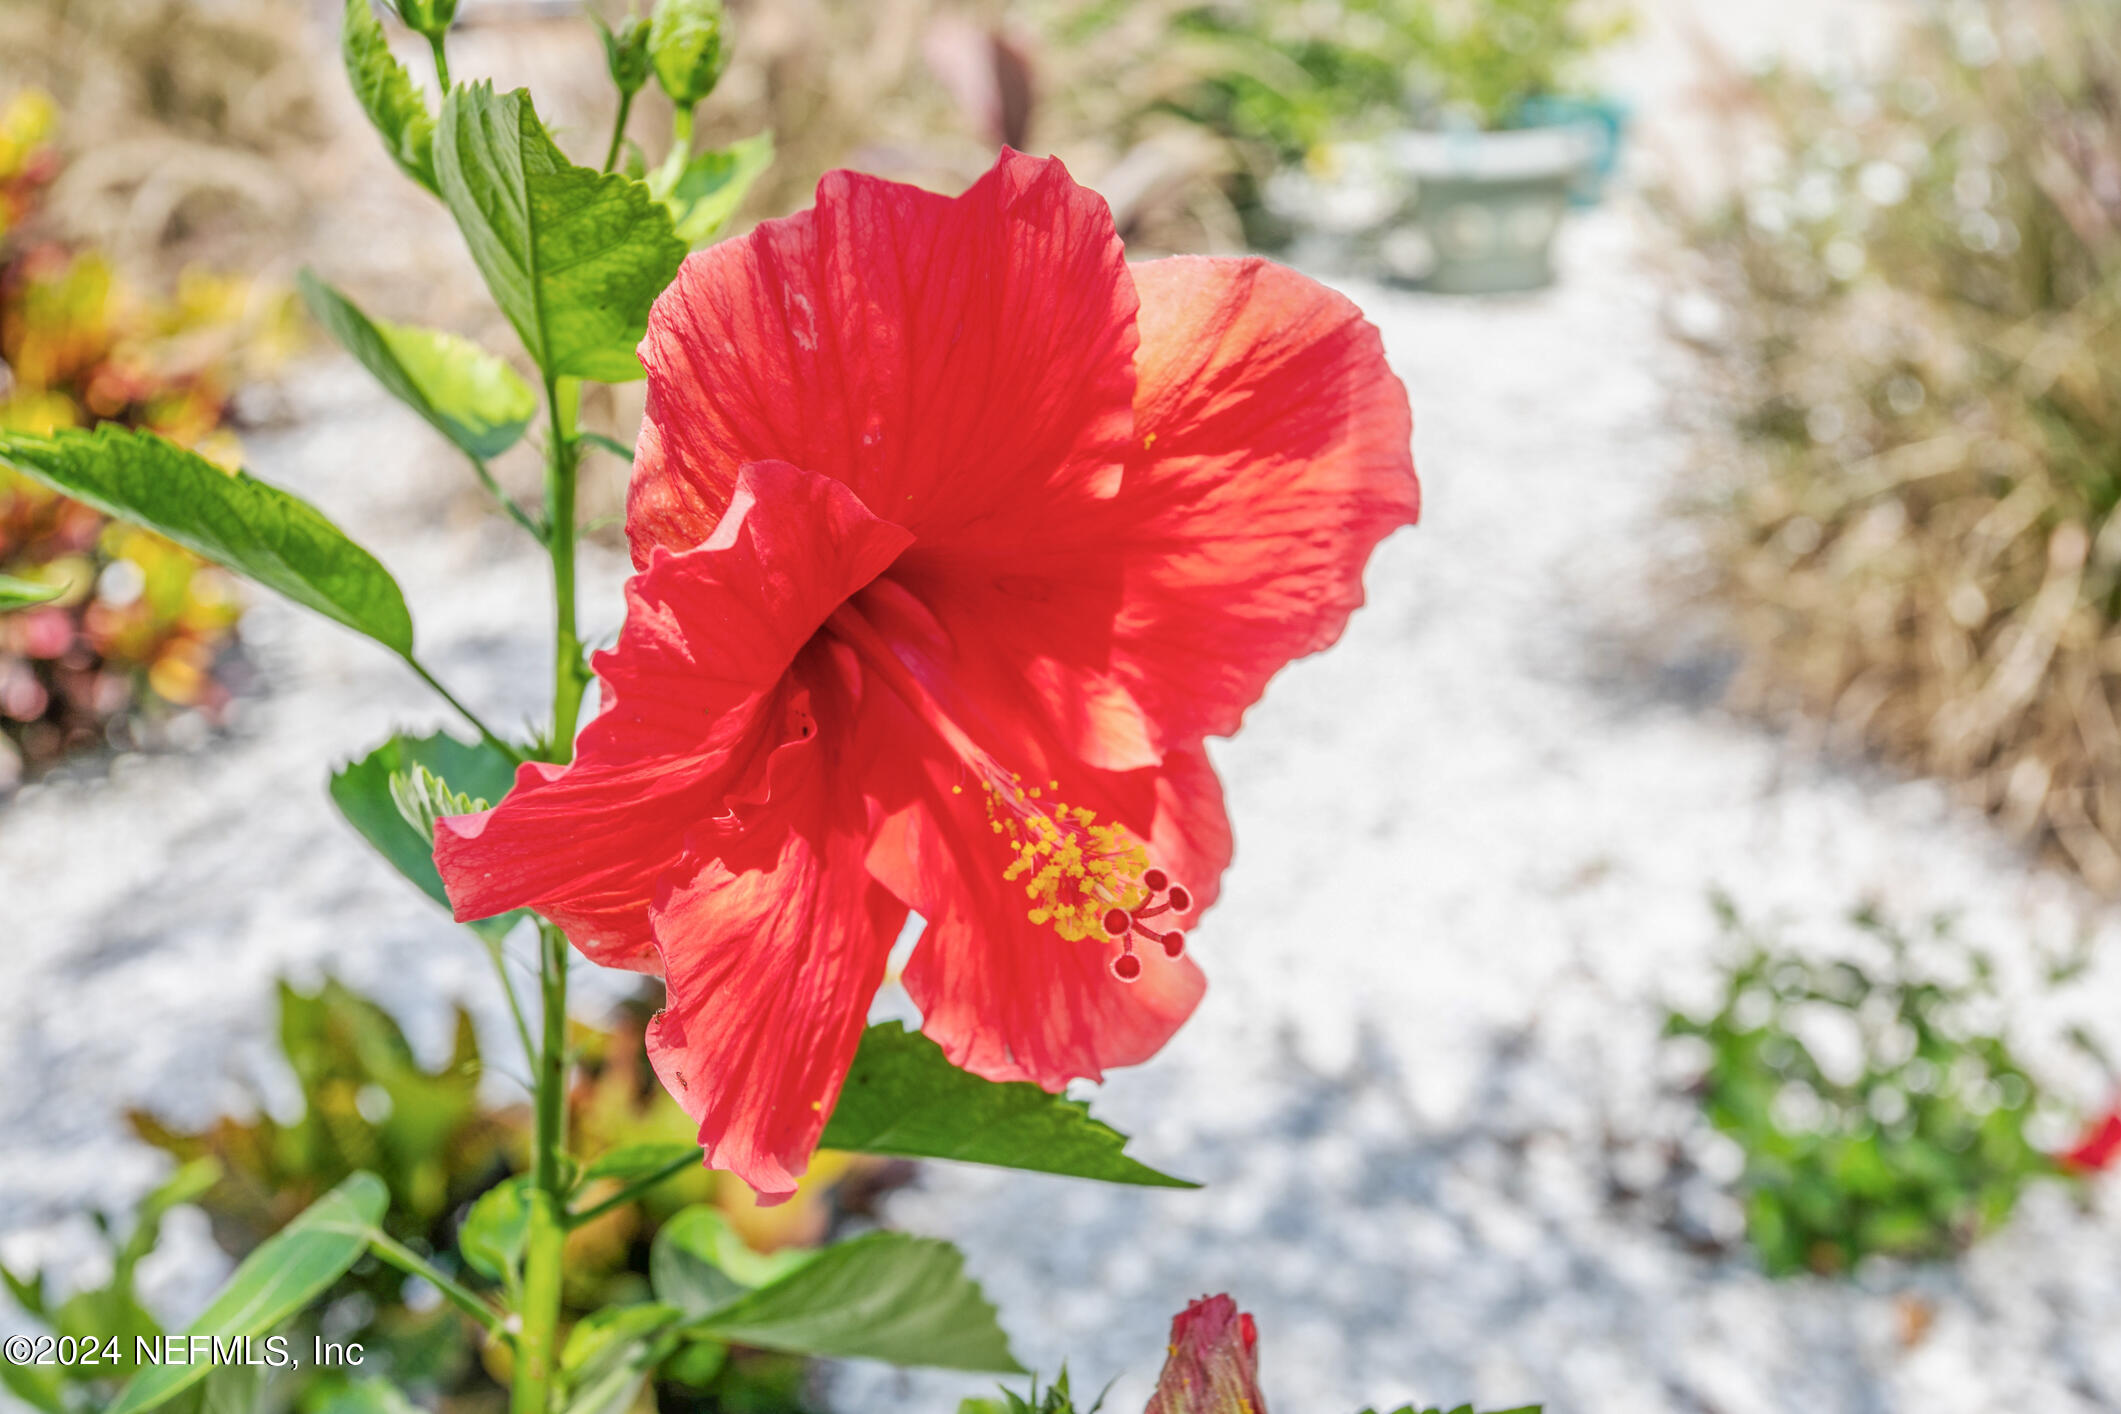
x=495 y=1232
x=902 y=1097
x=423 y=798
x=471 y=397
x=1296 y=75
x=135 y=624
x=256 y=529
x=687 y=47
x=23 y=593
x=713 y=185
x=700 y=1263
x=885 y=1296
x=1055 y=1399
x=365 y=793
x=1917 y=1152
x=573 y=257
x=626 y=55
x=368 y=1105
x=100 y=1314
x=291 y=1269
x=1488 y=58
x=387 y=95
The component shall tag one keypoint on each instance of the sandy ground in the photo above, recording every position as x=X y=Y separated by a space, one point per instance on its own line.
x=1476 y=846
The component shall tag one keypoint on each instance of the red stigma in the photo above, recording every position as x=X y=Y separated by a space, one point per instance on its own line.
x=1174 y=943
x=1156 y=881
x=1117 y=922
x=1180 y=899
x=1126 y=967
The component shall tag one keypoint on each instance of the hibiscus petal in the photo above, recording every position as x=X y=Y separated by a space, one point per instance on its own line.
x=697 y=696
x=771 y=964
x=1272 y=454
x=1010 y=999
x=959 y=362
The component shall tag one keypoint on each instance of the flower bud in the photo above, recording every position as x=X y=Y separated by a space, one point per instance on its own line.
x=685 y=41
x=626 y=52
x=431 y=18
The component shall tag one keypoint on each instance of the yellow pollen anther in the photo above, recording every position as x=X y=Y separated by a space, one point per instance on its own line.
x=1074 y=871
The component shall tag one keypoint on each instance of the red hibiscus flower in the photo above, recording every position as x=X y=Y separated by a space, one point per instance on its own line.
x=1213 y=1367
x=2098 y=1147
x=956 y=536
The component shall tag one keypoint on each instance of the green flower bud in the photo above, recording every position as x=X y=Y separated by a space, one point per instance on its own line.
x=626 y=52
x=686 y=42
x=428 y=17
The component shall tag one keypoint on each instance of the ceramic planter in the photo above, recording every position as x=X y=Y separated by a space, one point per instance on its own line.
x=1487 y=204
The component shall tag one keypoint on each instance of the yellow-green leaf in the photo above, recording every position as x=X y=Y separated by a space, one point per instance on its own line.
x=574 y=257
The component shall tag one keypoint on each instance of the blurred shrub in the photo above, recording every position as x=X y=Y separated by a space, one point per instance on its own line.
x=439 y=1141
x=142 y=624
x=93 y=1318
x=1875 y=1113
x=194 y=126
x=1923 y=284
x=1176 y=110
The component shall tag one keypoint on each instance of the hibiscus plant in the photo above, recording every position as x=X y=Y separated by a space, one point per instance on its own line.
x=955 y=537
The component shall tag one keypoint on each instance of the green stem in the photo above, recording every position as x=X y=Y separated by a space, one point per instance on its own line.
x=665 y=179
x=507 y=502
x=499 y=954
x=618 y=131
x=493 y=739
x=569 y=677
x=413 y=1264
x=545 y=1246
x=434 y=42
x=635 y=1189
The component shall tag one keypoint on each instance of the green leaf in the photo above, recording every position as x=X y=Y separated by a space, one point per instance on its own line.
x=387 y=94
x=574 y=257
x=611 y=1353
x=362 y=791
x=695 y=1363
x=233 y=1389
x=699 y=1263
x=291 y=1269
x=25 y=594
x=38 y=1386
x=597 y=1336
x=634 y=1162
x=273 y=536
x=424 y=799
x=28 y=1291
x=713 y=185
x=496 y=1230
x=187 y=1185
x=610 y=444
x=373 y=1395
x=885 y=1296
x=903 y=1098
x=467 y=394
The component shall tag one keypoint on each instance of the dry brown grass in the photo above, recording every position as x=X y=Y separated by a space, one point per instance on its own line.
x=1924 y=362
